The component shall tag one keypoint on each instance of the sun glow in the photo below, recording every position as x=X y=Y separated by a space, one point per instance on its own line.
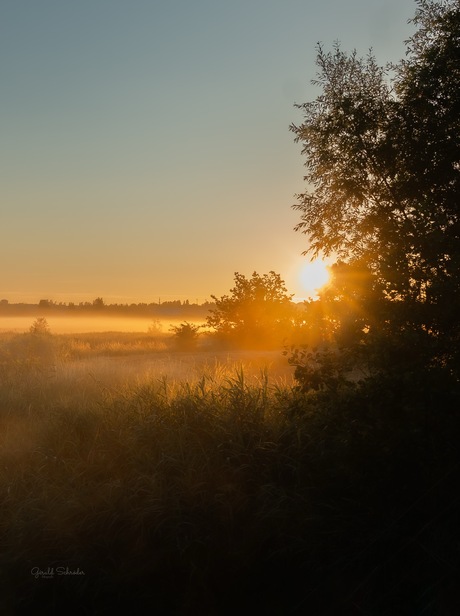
x=313 y=276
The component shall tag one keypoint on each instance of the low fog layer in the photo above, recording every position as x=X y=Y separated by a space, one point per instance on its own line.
x=83 y=324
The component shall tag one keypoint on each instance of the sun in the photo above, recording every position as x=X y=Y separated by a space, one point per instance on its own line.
x=313 y=276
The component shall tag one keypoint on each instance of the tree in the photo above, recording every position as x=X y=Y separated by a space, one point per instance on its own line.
x=185 y=335
x=154 y=327
x=382 y=148
x=257 y=313
x=40 y=327
x=45 y=303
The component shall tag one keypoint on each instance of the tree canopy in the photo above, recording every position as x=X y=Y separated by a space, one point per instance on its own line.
x=257 y=313
x=382 y=150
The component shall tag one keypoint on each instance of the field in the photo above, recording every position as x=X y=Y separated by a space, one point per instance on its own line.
x=64 y=324
x=136 y=477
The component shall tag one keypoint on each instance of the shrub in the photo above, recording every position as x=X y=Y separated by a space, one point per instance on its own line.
x=185 y=336
x=40 y=327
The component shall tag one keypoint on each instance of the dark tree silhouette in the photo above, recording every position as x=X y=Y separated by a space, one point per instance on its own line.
x=382 y=149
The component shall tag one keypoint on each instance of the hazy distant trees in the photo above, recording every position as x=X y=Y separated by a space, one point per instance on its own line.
x=176 y=308
x=382 y=150
x=257 y=313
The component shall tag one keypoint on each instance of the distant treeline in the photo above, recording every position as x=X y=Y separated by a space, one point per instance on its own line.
x=98 y=306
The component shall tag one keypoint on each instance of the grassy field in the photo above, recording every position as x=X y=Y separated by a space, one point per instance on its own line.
x=81 y=324
x=137 y=478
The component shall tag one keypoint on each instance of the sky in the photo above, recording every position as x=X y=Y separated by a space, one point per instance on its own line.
x=145 y=147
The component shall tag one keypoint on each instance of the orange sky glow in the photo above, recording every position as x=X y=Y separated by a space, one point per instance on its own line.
x=146 y=153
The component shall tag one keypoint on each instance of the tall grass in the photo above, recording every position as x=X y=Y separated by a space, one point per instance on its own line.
x=228 y=491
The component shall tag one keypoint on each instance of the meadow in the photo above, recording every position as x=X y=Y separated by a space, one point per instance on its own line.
x=140 y=478
x=82 y=324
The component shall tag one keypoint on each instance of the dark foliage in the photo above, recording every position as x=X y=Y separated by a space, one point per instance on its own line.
x=382 y=149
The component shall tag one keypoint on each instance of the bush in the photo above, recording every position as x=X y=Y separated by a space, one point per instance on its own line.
x=185 y=336
x=40 y=327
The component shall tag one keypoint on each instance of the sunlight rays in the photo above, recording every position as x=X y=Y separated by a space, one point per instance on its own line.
x=314 y=275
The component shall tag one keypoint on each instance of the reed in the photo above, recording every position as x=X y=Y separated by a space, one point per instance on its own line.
x=196 y=486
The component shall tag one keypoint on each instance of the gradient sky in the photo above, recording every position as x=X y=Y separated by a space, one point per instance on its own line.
x=145 y=144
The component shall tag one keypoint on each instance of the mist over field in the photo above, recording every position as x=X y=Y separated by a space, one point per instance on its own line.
x=64 y=324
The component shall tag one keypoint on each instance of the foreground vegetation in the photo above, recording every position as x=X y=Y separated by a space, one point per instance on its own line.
x=230 y=492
